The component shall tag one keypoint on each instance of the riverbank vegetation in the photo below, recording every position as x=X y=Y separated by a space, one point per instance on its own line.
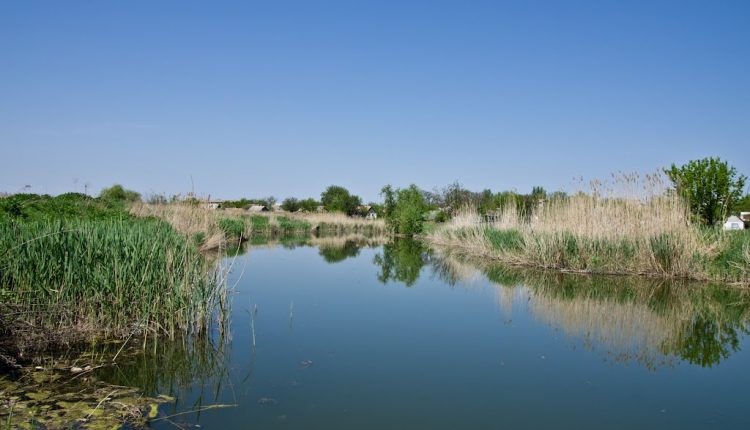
x=76 y=268
x=222 y=229
x=631 y=225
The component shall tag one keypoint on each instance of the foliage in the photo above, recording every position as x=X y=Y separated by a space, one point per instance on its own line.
x=404 y=209
x=244 y=203
x=742 y=205
x=71 y=205
x=401 y=260
x=338 y=199
x=291 y=204
x=710 y=185
x=116 y=193
x=309 y=204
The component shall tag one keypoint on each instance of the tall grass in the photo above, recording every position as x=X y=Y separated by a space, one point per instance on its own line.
x=105 y=277
x=632 y=225
x=216 y=227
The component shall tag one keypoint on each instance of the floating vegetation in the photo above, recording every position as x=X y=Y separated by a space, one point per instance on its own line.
x=58 y=398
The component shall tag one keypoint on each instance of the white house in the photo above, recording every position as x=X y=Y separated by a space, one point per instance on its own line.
x=734 y=223
x=214 y=204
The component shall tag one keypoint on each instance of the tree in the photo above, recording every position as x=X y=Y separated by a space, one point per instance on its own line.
x=310 y=205
x=338 y=199
x=742 y=205
x=710 y=186
x=404 y=209
x=116 y=193
x=291 y=204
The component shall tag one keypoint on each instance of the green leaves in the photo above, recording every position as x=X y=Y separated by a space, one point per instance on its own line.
x=711 y=187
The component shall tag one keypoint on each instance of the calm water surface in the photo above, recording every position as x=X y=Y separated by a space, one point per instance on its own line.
x=399 y=337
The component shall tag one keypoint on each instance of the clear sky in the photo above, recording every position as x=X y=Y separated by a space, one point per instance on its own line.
x=284 y=98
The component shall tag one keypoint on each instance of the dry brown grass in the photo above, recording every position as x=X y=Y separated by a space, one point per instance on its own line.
x=193 y=220
x=628 y=226
x=187 y=219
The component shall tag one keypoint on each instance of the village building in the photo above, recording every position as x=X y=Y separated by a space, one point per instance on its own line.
x=257 y=208
x=214 y=204
x=734 y=223
x=367 y=212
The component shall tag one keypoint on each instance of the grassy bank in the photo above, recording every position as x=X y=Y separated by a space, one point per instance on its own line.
x=73 y=267
x=214 y=229
x=611 y=235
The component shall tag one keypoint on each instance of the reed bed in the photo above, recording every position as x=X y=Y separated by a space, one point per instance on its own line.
x=632 y=226
x=213 y=229
x=108 y=278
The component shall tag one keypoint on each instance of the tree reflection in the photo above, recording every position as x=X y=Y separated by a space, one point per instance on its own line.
x=401 y=260
x=649 y=321
x=335 y=254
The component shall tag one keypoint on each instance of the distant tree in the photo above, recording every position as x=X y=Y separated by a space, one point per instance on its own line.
x=557 y=195
x=710 y=185
x=116 y=193
x=742 y=205
x=310 y=204
x=157 y=199
x=456 y=197
x=404 y=209
x=291 y=204
x=538 y=193
x=338 y=199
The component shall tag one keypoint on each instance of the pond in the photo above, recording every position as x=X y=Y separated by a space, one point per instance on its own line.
x=350 y=334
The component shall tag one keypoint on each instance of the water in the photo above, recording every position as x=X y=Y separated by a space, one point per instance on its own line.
x=400 y=337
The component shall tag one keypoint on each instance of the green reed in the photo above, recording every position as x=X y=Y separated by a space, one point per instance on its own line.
x=106 y=276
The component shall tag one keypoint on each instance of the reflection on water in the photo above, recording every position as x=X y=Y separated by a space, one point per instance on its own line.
x=463 y=344
x=401 y=260
x=646 y=320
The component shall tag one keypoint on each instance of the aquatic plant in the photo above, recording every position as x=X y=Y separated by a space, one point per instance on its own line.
x=105 y=277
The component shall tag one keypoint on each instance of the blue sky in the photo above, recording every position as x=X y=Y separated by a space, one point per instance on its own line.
x=284 y=98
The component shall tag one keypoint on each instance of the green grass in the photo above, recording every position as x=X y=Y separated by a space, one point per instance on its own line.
x=729 y=262
x=506 y=240
x=232 y=227
x=75 y=261
x=287 y=224
x=259 y=223
x=732 y=260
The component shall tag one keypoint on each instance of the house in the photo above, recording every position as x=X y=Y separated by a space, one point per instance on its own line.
x=257 y=208
x=367 y=212
x=734 y=223
x=745 y=216
x=214 y=204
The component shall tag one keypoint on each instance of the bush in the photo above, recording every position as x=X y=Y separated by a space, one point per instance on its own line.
x=404 y=209
x=116 y=193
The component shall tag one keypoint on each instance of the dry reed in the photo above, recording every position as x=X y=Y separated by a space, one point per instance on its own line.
x=631 y=225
